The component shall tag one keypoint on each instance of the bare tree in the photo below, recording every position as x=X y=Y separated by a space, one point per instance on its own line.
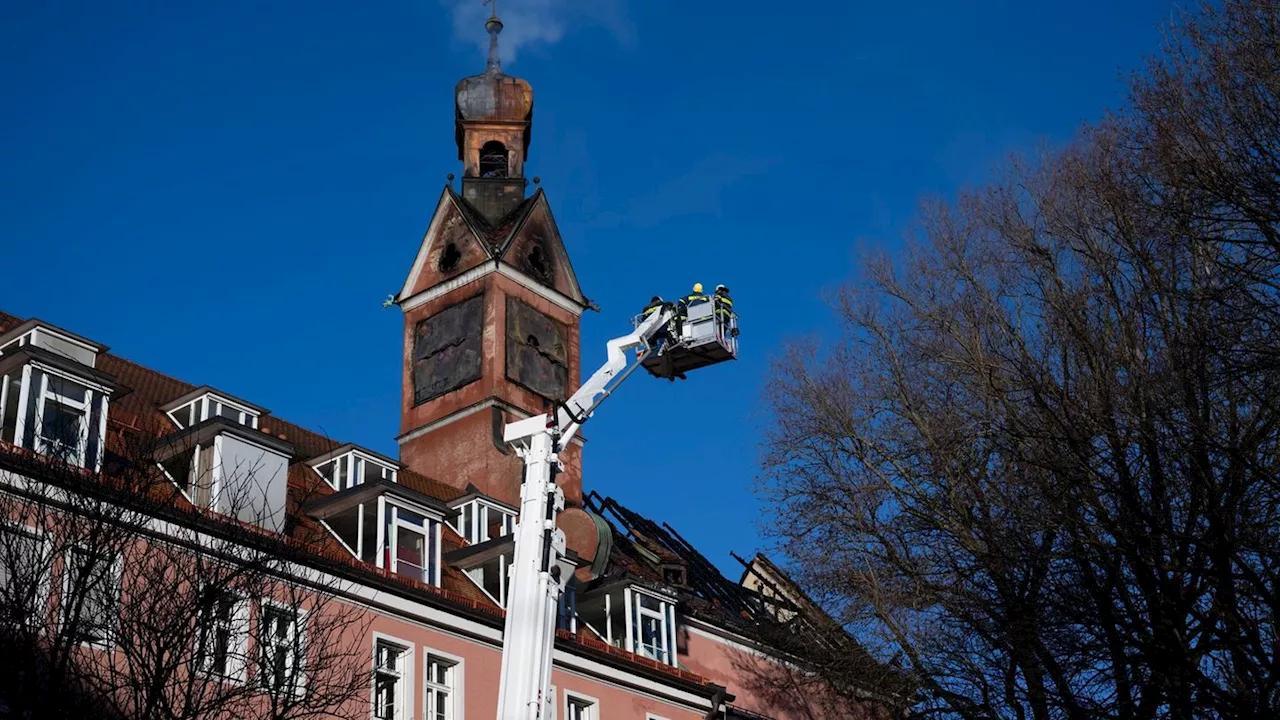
x=1040 y=465
x=120 y=597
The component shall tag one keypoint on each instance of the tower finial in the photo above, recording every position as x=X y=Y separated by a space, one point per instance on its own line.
x=494 y=26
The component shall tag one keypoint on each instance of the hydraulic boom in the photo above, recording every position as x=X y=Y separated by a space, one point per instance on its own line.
x=539 y=571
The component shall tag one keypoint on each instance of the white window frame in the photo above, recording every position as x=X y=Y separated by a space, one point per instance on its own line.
x=206 y=406
x=298 y=659
x=85 y=409
x=42 y=547
x=237 y=641
x=651 y=716
x=635 y=614
x=352 y=468
x=590 y=705
x=116 y=570
x=431 y=533
x=479 y=531
x=454 y=686
x=404 y=685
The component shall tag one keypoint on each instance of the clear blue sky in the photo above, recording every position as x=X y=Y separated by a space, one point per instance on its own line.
x=227 y=191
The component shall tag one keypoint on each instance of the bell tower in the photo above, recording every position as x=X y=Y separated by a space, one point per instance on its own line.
x=494 y=115
x=491 y=303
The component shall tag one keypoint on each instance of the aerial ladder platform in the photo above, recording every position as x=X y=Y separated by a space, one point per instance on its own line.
x=539 y=569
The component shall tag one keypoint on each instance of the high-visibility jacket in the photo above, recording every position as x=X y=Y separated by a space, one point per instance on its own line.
x=651 y=308
x=724 y=304
x=695 y=298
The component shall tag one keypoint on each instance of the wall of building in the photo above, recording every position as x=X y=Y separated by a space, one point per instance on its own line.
x=759 y=683
x=482 y=664
x=464 y=450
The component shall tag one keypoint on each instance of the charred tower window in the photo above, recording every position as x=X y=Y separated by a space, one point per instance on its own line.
x=538 y=263
x=449 y=258
x=493 y=160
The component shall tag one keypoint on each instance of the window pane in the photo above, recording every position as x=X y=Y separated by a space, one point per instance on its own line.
x=229 y=412
x=652 y=638
x=439 y=688
x=411 y=549
x=93 y=446
x=279 y=626
x=468 y=521
x=359 y=474
x=92 y=592
x=67 y=389
x=61 y=428
x=649 y=603
x=21 y=573
x=495 y=523
x=385 y=692
x=343 y=471
x=29 y=412
x=326 y=472
x=9 y=414
x=387 y=680
x=410 y=517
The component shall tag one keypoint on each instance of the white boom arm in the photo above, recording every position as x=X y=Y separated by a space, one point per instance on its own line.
x=538 y=571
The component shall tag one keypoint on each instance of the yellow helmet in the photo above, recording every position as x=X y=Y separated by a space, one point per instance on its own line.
x=697 y=287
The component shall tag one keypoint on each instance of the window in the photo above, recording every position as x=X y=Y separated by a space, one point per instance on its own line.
x=493 y=160
x=389 y=531
x=222 y=634
x=391 y=673
x=441 y=688
x=353 y=468
x=580 y=707
x=23 y=567
x=653 y=636
x=567 y=612
x=478 y=521
x=91 y=596
x=650 y=625
x=210 y=406
x=63 y=417
x=280 y=647
x=674 y=575
x=413 y=542
x=449 y=258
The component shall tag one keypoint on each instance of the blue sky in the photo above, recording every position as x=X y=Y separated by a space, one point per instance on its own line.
x=228 y=191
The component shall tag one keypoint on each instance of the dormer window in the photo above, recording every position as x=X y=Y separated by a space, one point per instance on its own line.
x=194 y=408
x=222 y=465
x=388 y=526
x=639 y=619
x=349 y=466
x=52 y=399
x=480 y=519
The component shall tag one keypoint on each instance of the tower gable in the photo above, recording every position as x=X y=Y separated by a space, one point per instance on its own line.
x=452 y=245
x=534 y=249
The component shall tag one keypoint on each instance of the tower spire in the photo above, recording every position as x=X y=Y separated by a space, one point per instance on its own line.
x=494 y=26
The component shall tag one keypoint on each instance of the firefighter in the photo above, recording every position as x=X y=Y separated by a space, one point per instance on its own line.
x=724 y=309
x=663 y=336
x=696 y=297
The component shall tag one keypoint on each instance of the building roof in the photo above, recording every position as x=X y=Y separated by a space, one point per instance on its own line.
x=139 y=414
x=644 y=550
x=137 y=419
